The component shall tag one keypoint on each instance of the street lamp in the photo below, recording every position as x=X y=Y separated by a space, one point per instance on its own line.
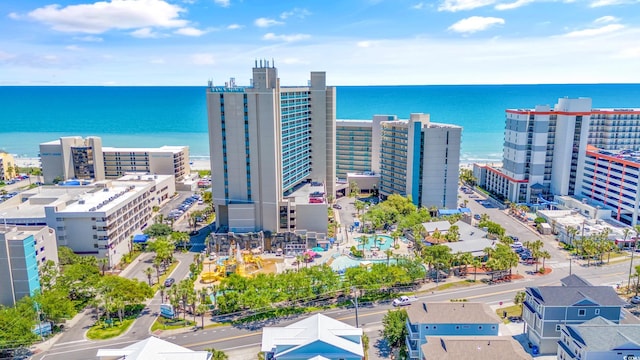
x=633 y=250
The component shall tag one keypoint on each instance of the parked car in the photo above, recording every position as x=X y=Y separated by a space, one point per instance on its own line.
x=402 y=301
x=337 y=206
x=169 y=282
x=635 y=299
x=477 y=216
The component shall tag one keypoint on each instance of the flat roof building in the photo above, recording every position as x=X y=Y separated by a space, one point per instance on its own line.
x=7 y=166
x=97 y=219
x=74 y=157
x=23 y=250
x=545 y=149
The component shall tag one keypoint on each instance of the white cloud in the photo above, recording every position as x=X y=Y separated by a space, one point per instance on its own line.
x=203 y=59
x=457 y=5
x=223 y=3
x=629 y=53
x=88 y=38
x=14 y=16
x=190 y=31
x=266 y=22
x=606 y=19
x=418 y=6
x=600 y=3
x=297 y=12
x=234 y=27
x=103 y=16
x=595 y=31
x=157 y=61
x=365 y=43
x=285 y=38
x=475 y=24
x=145 y=33
x=514 y=5
x=73 y=47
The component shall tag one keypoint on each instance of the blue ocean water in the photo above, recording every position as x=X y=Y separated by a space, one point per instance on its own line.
x=156 y=116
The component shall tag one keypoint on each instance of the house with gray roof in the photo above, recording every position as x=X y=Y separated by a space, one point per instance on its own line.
x=447 y=319
x=547 y=308
x=598 y=339
x=441 y=226
x=473 y=347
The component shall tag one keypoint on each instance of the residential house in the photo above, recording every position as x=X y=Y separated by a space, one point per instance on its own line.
x=598 y=339
x=153 y=348
x=318 y=336
x=473 y=347
x=547 y=308
x=574 y=280
x=447 y=319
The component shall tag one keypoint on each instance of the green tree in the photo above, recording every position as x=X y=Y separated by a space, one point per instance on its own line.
x=217 y=354
x=519 y=300
x=354 y=190
x=158 y=230
x=395 y=328
x=55 y=305
x=16 y=324
x=149 y=272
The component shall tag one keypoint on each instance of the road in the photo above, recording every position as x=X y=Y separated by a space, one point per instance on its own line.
x=233 y=339
x=237 y=339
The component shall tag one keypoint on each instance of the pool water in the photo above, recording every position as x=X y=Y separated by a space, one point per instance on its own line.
x=387 y=242
x=342 y=262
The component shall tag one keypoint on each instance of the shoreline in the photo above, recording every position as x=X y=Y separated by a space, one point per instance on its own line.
x=196 y=163
x=202 y=163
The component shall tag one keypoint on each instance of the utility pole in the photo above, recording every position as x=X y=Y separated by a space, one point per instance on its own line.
x=355 y=292
x=570 y=261
x=633 y=250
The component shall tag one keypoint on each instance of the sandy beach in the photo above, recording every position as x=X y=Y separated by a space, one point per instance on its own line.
x=196 y=164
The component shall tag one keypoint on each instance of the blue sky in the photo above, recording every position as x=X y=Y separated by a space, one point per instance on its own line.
x=357 y=42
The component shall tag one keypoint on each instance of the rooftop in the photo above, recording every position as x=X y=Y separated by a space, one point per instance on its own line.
x=600 y=334
x=587 y=226
x=613 y=155
x=577 y=295
x=574 y=280
x=165 y=148
x=302 y=194
x=153 y=348
x=473 y=347
x=295 y=337
x=451 y=313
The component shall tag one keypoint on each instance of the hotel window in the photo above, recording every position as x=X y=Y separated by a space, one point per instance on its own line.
x=582 y=312
x=558 y=327
x=597 y=311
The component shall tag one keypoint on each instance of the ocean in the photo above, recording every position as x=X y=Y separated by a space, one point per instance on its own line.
x=156 y=116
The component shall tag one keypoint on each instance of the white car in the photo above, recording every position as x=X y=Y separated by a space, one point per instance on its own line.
x=402 y=301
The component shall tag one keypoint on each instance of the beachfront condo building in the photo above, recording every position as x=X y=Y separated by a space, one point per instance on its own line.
x=99 y=218
x=420 y=159
x=23 y=250
x=74 y=157
x=413 y=157
x=268 y=144
x=354 y=143
x=573 y=150
x=7 y=166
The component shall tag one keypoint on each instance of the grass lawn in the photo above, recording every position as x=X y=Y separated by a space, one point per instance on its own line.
x=513 y=310
x=457 y=284
x=100 y=331
x=170 y=324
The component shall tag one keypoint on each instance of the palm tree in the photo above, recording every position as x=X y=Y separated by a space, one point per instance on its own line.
x=389 y=253
x=362 y=240
x=149 y=272
x=572 y=232
x=476 y=263
x=103 y=263
x=217 y=354
x=544 y=255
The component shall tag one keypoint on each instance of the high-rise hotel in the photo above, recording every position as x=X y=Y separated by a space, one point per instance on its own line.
x=413 y=157
x=570 y=149
x=267 y=144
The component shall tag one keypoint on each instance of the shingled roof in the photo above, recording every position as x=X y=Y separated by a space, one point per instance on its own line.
x=600 y=334
x=577 y=295
x=451 y=313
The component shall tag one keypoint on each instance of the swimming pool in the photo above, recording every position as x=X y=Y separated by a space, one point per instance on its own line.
x=374 y=241
x=342 y=262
